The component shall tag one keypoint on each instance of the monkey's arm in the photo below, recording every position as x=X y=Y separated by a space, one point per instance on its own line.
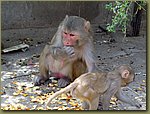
x=60 y=52
x=125 y=98
x=109 y=93
x=89 y=58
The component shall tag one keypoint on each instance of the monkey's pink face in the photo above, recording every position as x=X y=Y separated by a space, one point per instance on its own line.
x=70 y=39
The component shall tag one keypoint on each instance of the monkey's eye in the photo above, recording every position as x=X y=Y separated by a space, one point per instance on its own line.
x=65 y=33
x=72 y=35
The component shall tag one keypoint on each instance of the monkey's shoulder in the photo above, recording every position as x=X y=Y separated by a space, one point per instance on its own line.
x=102 y=80
x=113 y=75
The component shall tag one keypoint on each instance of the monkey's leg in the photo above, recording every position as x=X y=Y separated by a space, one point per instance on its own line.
x=44 y=73
x=106 y=101
x=113 y=88
x=77 y=69
x=94 y=103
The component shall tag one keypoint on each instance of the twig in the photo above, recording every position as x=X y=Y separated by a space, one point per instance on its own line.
x=126 y=20
x=18 y=76
x=132 y=91
x=140 y=6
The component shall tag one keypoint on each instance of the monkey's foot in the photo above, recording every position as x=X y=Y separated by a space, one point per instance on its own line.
x=48 y=81
x=37 y=81
x=85 y=105
x=63 y=82
x=100 y=106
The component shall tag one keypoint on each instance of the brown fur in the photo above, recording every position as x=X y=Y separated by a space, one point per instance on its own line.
x=90 y=86
x=69 y=61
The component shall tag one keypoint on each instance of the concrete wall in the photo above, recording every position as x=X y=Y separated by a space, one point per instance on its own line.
x=23 y=14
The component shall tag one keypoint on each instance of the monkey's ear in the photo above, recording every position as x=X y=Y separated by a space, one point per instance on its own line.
x=87 y=26
x=66 y=17
x=125 y=74
x=65 y=20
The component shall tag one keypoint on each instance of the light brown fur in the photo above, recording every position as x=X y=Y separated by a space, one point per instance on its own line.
x=90 y=86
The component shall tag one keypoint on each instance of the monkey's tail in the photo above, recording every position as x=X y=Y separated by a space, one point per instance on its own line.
x=64 y=90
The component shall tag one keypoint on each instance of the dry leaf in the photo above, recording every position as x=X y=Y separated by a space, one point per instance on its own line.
x=25 y=95
x=112 y=102
x=140 y=89
x=40 y=108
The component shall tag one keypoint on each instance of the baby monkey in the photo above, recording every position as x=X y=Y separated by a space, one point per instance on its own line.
x=90 y=86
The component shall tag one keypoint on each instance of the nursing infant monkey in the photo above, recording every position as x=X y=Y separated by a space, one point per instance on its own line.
x=90 y=86
x=69 y=54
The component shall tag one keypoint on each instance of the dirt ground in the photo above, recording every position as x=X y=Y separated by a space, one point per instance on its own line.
x=111 y=50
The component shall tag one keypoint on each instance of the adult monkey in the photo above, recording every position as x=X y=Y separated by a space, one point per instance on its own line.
x=69 y=54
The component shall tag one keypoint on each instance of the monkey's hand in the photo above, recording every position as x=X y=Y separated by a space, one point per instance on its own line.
x=58 y=52
x=69 y=50
x=138 y=105
x=62 y=52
